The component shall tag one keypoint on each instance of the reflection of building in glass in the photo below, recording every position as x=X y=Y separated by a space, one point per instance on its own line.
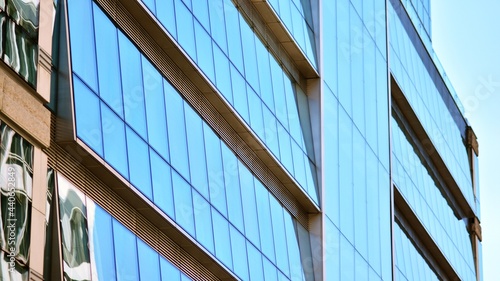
x=233 y=139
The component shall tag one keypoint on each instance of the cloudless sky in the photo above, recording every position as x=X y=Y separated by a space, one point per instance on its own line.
x=466 y=37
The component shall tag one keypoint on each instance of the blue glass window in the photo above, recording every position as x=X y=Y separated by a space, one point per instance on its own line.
x=204 y=51
x=162 y=184
x=215 y=171
x=232 y=182
x=168 y=271
x=200 y=11
x=238 y=250
x=176 y=130
x=218 y=30
x=108 y=61
x=280 y=244
x=155 y=108
x=233 y=29
x=249 y=205
x=165 y=13
x=101 y=245
x=222 y=74
x=196 y=149
x=125 y=257
x=240 y=101
x=185 y=32
x=115 y=145
x=183 y=204
x=138 y=155
x=265 y=224
x=221 y=238
x=88 y=121
x=254 y=263
x=133 y=94
x=149 y=263
x=83 y=58
x=203 y=222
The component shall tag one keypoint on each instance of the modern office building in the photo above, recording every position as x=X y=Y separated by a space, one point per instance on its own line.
x=232 y=140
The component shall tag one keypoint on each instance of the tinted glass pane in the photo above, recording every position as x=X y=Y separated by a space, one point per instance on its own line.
x=255 y=108
x=166 y=15
x=155 y=108
x=115 y=145
x=240 y=101
x=266 y=87
x=270 y=272
x=233 y=29
x=264 y=215
x=125 y=257
x=196 y=149
x=168 y=271
x=200 y=11
x=149 y=263
x=138 y=155
x=254 y=263
x=203 y=222
x=280 y=244
x=218 y=30
x=133 y=95
x=249 y=205
x=108 y=61
x=249 y=55
x=238 y=249
x=215 y=172
x=204 y=51
x=222 y=74
x=185 y=27
x=162 y=184
x=88 y=121
x=232 y=182
x=183 y=203
x=176 y=130
x=221 y=238
x=82 y=41
x=102 y=255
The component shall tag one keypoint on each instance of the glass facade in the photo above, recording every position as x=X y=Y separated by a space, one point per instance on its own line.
x=296 y=16
x=423 y=95
x=410 y=264
x=356 y=140
x=93 y=244
x=16 y=182
x=309 y=179
x=413 y=178
x=162 y=146
x=19 y=37
x=226 y=49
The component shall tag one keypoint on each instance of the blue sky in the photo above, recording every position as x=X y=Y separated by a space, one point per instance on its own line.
x=466 y=37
